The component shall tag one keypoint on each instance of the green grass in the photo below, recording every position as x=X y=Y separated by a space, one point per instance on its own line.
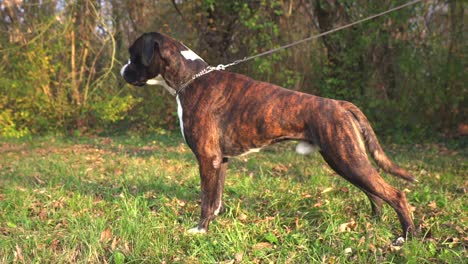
x=130 y=200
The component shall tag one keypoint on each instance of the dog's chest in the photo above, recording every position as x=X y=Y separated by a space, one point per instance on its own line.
x=180 y=113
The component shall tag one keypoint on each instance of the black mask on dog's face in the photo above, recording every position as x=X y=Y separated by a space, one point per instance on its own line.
x=145 y=60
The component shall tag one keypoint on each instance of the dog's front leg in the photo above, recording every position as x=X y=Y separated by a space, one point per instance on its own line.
x=212 y=174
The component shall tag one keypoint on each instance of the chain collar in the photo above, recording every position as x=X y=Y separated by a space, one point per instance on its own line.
x=207 y=70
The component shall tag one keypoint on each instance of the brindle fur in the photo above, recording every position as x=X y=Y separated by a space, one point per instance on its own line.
x=226 y=114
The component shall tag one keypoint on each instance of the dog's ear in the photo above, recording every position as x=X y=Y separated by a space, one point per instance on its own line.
x=149 y=45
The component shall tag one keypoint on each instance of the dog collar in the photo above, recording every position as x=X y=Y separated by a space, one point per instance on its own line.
x=207 y=70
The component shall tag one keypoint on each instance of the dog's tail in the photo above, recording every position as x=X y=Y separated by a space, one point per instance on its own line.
x=373 y=145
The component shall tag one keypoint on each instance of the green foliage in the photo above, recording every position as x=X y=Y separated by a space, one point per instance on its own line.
x=59 y=62
x=57 y=81
x=155 y=109
x=109 y=111
x=399 y=83
x=8 y=126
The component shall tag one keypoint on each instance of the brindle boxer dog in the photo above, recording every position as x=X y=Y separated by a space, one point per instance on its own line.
x=224 y=114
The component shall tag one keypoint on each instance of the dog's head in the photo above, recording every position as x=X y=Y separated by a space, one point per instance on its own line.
x=144 y=63
x=154 y=54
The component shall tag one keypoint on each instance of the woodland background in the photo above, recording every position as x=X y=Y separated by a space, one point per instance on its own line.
x=60 y=60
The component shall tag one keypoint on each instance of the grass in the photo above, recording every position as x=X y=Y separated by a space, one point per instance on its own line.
x=131 y=199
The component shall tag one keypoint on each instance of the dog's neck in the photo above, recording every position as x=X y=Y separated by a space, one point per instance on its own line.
x=180 y=71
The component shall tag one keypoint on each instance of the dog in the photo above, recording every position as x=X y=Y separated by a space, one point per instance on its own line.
x=224 y=114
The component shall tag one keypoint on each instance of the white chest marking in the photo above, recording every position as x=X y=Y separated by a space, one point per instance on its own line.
x=190 y=55
x=159 y=80
x=180 y=114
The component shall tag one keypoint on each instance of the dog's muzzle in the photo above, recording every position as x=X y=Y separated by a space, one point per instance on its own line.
x=132 y=75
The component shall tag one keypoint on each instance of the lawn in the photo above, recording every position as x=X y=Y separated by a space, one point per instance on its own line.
x=128 y=199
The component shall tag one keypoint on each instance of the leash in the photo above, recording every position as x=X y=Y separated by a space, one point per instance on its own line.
x=222 y=67
x=207 y=70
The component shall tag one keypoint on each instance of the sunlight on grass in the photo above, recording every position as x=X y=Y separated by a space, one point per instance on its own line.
x=130 y=199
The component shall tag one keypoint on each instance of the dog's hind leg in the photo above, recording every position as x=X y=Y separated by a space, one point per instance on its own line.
x=359 y=171
x=375 y=185
x=376 y=205
x=212 y=186
x=375 y=201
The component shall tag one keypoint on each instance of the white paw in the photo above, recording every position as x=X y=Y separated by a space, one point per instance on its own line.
x=399 y=241
x=196 y=230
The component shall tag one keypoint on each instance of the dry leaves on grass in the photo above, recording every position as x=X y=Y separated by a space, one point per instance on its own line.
x=55 y=245
x=237 y=259
x=18 y=254
x=106 y=235
x=262 y=246
x=347 y=227
x=242 y=217
x=280 y=169
x=432 y=205
x=329 y=189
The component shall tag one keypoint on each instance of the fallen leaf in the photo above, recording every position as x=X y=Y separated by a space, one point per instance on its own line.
x=238 y=257
x=280 y=169
x=344 y=189
x=395 y=248
x=329 y=189
x=59 y=203
x=55 y=245
x=230 y=261
x=242 y=217
x=362 y=240
x=18 y=254
x=181 y=203
x=38 y=180
x=432 y=205
x=106 y=235
x=43 y=214
x=348 y=251
x=262 y=245
x=114 y=243
x=371 y=248
x=347 y=227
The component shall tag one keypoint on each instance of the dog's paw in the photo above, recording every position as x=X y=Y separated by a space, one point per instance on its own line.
x=196 y=230
x=399 y=242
